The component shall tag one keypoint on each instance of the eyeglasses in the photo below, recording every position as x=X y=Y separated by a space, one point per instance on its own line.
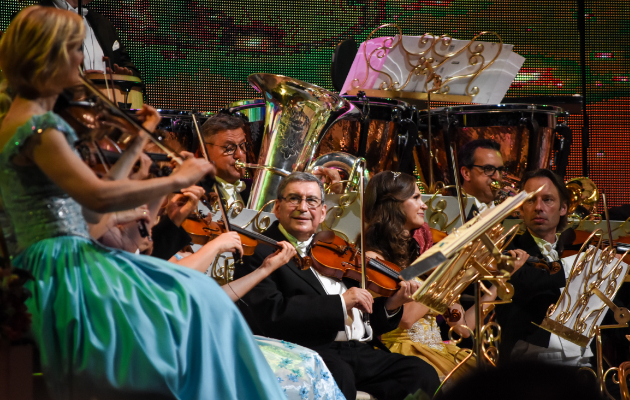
x=230 y=149
x=295 y=200
x=491 y=169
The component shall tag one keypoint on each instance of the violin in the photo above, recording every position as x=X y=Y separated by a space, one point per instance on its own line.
x=437 y=235
x=100 y=155
x=334 y=257
x=553 y=267
x=203 y=231
x=93 y=116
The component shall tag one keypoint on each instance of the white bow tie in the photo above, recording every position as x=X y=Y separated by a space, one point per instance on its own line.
x=239 y=186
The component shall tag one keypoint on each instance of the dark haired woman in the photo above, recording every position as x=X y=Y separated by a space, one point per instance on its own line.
x=396 y=231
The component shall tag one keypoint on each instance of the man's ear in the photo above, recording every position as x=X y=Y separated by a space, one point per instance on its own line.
x=323 y=216
x=465 y=171
x=275 y=210
x=563 y=209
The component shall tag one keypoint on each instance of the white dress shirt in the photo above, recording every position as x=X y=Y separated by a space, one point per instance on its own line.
x=355 y=328
x=559 y=351
x=483 y=206
x=92 y=51
x=231 y=192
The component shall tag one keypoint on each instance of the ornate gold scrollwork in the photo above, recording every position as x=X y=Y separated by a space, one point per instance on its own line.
x=345 y=201
x=235 y=209
x=222 y=274
x=261 y=225
x=437 y=210
x=589 y=269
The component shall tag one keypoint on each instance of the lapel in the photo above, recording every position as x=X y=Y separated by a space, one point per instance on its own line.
x=247 y=190
x=526 y=242
x=309 y=276
x=471 y=213
x=101 y=35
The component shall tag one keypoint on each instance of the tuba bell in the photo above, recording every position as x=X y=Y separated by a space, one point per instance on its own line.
x=297 y=115
x=349 y=168
x=584 y=197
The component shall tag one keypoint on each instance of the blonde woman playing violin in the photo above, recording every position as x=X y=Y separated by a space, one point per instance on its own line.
x=108 y=324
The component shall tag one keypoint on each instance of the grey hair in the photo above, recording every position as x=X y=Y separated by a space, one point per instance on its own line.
x=299 y=177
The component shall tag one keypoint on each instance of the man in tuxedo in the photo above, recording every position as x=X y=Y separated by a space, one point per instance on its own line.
x=225 y=141
x=101 y=40
x=480 y=163
x=326 y=314
x=544 y=216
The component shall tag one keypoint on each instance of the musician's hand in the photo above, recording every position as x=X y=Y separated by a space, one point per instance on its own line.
x=135 y=214
x=403 y=295
x=149 y=116
x=181 y=205
x=330 y=176
x=280 y=257
x=143 y=171
x=191 y=171
x=510 y=190
x=358 y=298
x=119 y=70
x=520 y=258
x=228 y=242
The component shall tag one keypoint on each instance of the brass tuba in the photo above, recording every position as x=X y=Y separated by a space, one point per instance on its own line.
x=584 y=197
x=348 y=166
x=297 y=115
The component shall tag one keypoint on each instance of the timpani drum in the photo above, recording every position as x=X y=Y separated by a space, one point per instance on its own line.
x=527 y=133
x=383 y=128
x=128 y=90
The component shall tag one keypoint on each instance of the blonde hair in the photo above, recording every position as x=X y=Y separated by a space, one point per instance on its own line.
x=34 y=51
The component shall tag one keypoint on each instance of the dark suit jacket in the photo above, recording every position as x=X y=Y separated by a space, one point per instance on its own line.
x=534 y=291
x=248 y=189
x=292 y=305
x=473 y=211
x=106 y=36
x=168 y=238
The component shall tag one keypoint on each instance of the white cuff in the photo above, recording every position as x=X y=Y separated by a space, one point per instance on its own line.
x=345 y=310
x=387 y=313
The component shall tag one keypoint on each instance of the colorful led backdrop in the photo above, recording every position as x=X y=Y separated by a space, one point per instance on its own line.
x=197 y=54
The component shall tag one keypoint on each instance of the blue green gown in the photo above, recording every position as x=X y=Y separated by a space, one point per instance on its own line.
x=115 y=325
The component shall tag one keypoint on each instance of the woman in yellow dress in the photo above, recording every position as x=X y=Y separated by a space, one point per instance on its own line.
x=395 y=231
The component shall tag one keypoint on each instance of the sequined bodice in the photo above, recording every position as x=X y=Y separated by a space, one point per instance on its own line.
x=34 y=207
x=426 y=331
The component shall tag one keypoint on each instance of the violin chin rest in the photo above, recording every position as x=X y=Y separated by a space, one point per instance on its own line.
x=324 y=236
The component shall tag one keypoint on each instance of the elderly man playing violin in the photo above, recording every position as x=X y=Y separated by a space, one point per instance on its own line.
x=328 y=315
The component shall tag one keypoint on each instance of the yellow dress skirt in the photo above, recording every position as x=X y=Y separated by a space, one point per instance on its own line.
x=423 y=340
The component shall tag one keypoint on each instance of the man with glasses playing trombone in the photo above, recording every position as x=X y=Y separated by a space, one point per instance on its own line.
x=480 y=164
x=326 y=314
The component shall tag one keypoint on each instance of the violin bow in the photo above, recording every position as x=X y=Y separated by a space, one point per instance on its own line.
x=238 y=259
x=362 y=166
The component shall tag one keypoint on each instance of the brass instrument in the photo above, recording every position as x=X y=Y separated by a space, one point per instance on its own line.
x=584 y=197
x=297 y=115
x=500 y=194
x=240 y=165
x=349 y=168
